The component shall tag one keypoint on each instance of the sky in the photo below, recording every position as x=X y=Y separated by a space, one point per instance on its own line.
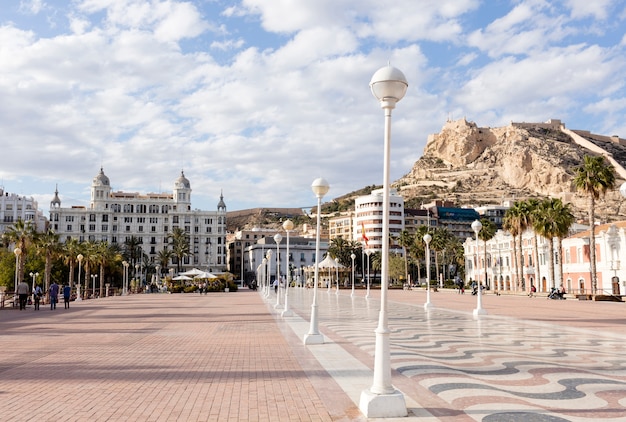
x=255 y=99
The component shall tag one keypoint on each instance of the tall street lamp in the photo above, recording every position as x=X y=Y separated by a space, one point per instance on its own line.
x=288 y=226
x=80 y=264
x=477 y=226
x=352 y=256
x=337 y=275
x=17 y=252
x=368 y=252
x=137 y=278
x=320 y=188
x=427 y=238
x=93 y=285
x=382 y=400
x=277 y=238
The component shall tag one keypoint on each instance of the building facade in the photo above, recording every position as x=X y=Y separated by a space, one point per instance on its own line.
x=368 y=219
x=115 y=217
x=16 y=207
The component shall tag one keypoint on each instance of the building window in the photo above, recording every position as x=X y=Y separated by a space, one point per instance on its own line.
x=69 y=227
x=105 y=227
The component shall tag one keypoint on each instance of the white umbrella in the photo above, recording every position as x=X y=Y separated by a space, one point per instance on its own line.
x=193 y=272
x=182 y=277
x=205 y=275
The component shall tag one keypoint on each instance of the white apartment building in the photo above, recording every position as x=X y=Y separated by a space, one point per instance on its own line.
x=16 y=207
x=368 y=219
x=114 y=217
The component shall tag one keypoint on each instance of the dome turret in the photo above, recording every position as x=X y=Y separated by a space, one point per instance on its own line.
x=101 y=179
x=56 y=201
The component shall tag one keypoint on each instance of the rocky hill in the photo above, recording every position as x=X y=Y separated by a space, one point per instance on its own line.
x=473 y=166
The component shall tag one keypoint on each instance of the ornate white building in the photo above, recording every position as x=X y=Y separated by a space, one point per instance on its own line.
x=16 y=207
x=114 y=217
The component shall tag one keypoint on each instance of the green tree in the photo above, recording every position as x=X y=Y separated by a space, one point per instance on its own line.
x=21 y=235
x=48 y=245
x=179 y=241
x=594 y=178
x=486 y=233
x=553 y=220
x=163 y=257
x=406 y=239
x=70 y=250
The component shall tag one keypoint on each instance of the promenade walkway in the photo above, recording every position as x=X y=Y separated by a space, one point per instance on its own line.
x=231 y=357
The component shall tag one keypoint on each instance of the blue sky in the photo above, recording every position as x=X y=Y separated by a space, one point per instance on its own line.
x=257 y=98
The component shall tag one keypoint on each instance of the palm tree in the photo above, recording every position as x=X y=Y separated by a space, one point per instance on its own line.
x=180 y=245
x=516 y=220
x=132 y=250
x=71 y=249
x=441 y=239
x=553 y=219
x=48 y=245
x=594 y=178
x=22 y=235
x=163 y=257
x=486 y=233
x=405 y=240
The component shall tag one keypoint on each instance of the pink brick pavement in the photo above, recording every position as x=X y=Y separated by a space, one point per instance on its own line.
x=185 y=357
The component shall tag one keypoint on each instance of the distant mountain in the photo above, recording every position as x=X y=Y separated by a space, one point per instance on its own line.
x=473 y=166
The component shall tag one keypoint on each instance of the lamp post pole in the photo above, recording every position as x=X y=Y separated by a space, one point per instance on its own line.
x=352 y=256
x=262 y=275
x=136 y=278
x=368 y=253
x=320 y=188
x=382 y=400
x=17 y=252
x=427 y=238
x=337 y=275
x=277 y=238
x=80 y=264
x=158 y=274
x=477 y=226
x=125 y=281
x=268 y=278
x=34 y=277
x=288 y=226
x=93 y=285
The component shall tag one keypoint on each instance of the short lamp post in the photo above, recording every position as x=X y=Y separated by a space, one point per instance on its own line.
x=268 y=278
x=320 y=188
x=427 y=238
x=263 y=276
x=34 y=277
x=477 y=226
x=137 y=276
x=278 y=238
x=352 y=256
x=288 y=226
x=125 y=281
x=337 y=275
x=382 y=400
x=17 y=252
x=80 y=264
x=93 y=285
x=157 y=268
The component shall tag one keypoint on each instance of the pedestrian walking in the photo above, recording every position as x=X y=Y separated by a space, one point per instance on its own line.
x=37 y=294
x=22 y=293
x=54 y=295
x=67 y=293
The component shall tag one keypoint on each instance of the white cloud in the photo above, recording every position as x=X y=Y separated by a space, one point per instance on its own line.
x=260 y=98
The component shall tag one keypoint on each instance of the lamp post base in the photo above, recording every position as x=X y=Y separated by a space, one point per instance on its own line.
x=428 y=306
x=313 y=339
x=478 y=312
x=390 y=405
x=286 y=313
